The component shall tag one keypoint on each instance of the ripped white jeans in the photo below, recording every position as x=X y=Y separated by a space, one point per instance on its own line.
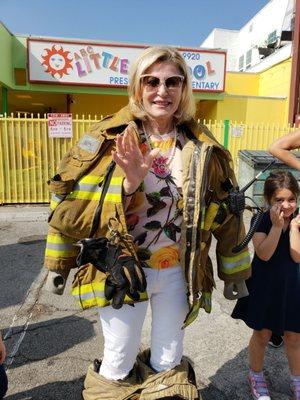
x=122 y=328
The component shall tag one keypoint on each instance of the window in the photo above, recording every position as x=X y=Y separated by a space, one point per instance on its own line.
x=272 y=37
x=248 y=58
x=241 y=63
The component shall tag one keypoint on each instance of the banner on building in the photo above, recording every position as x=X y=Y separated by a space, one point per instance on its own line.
x=60 y=125
x=107 y=65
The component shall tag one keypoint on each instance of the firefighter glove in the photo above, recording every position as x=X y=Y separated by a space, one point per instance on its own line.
x=93 y=251
x=125 y=277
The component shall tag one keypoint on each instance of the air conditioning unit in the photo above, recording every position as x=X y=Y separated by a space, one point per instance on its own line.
x=265 y=51
x=286 y=36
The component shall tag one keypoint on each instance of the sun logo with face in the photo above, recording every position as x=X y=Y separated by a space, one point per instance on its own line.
x=56 y=61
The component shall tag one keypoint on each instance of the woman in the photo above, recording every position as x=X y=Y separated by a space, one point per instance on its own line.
x=170 y=178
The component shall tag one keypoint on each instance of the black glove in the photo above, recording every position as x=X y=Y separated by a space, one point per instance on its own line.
x=125 y=277
x=93 y=251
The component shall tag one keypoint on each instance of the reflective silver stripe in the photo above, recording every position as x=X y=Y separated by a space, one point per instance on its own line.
x=60 y=246
x=56 y=198
x=231 y=265
x=85 y=187
x=114 y=189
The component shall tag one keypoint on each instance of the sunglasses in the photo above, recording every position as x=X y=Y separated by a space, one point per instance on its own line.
x=153 y=82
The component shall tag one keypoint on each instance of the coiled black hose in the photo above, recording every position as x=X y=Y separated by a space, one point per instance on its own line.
x=256 y=220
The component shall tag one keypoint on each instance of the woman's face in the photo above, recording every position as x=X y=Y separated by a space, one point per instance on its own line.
x=286 y=200
x=161 y=97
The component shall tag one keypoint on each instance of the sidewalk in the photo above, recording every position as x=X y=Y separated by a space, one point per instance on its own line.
x=24 y=213
x=50 y=342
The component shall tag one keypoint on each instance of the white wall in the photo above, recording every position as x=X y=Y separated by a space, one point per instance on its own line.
x=254 y=34
x=224 y=39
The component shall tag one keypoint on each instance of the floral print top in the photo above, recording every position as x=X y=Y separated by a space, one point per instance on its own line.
x=154 y=214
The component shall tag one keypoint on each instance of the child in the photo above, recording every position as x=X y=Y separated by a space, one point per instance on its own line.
x=3 y=377
x=273 y=304
x=281 y=149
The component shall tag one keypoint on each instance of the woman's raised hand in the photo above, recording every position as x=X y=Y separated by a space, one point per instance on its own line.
x=130 y=158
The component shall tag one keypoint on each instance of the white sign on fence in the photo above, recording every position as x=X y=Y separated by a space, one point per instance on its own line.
x=108 y=64
x=237 y=131
x=60 y=125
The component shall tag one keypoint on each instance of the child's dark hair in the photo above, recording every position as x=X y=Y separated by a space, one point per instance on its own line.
x=280 y=180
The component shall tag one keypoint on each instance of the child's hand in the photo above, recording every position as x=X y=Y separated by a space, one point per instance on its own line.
x=2 y=351
x=276 y=216
x=295 y=222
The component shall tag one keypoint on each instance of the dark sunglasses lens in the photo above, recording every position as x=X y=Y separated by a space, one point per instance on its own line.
x=151 y=81
x=173 y=82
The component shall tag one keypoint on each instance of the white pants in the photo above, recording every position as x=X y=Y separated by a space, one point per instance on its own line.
x=122 y=328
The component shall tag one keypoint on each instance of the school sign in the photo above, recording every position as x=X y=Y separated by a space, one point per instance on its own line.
x=107 y=65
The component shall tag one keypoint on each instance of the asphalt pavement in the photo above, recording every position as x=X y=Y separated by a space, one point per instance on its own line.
x=50 y=342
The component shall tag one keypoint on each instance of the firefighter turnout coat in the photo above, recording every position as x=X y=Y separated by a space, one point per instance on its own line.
x=76 y=191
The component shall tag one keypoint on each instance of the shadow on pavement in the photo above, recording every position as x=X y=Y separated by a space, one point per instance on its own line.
x=230 y=381
x=61 y=390
x=20 y=264
x=50 y=338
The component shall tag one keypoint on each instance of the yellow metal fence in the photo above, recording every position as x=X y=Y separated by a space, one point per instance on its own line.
x=28 y=157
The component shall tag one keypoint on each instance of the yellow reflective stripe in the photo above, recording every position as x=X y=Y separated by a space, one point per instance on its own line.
x=202 y=218
x=55 y=200
x=230 y=265
x=53 y=204
x=84 y=195
x=92 y=295
x=91 y=179
x=60 y=253
x=116 y=180
x=59 y=239
x=94 y=302
x=87 y=288
x=114 y=193
x=113 y=197
x=210 y=215
x=60 y=246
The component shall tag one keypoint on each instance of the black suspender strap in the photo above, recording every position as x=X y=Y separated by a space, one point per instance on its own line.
x=105 y=186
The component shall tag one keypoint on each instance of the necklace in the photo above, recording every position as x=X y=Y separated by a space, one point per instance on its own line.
x=172 y=153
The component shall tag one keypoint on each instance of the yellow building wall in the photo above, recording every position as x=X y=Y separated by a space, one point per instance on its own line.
x=265 y=111
x=233 y=108
x=207 y=109
x=276 y=80
x=93 y=104
x=242 y=83
x=253 y=97
x=244 y=109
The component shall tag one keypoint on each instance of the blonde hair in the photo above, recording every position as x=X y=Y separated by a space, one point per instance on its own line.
x=150 y=56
